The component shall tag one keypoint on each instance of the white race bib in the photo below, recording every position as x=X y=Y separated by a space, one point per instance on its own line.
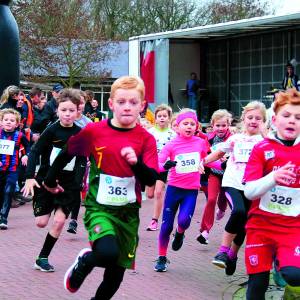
x=281 y=200
x=187 y=162
x=54 y=153
x=116 y=191
x=7 y=147
x=242 y=151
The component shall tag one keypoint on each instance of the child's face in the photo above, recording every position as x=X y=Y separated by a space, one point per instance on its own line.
x=187 y=127
x=209 y=129
x=81 y=105
x=287 y=122
x=126 y=106
x=67 y=113
x=9 y=122
x=252 y=121
x=94 y=103
x=220 y=127
x=162 y=119
x=174 y=126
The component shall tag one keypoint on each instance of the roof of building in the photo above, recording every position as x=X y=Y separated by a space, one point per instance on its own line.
x=228 y=28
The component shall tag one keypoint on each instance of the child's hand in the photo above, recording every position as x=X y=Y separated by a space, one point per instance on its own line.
x=55 y=190
x=129 y=155
x=263 y=129
x=169 y=164
x=285 y=174
x=24 y=160
x=201 y=168
x=28 y=188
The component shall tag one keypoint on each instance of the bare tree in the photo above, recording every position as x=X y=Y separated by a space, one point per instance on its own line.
x=59 y=38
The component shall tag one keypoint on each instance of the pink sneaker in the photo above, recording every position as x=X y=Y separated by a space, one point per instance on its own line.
x=220 y=214
x=153 y=226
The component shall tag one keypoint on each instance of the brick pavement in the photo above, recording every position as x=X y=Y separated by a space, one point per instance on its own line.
x=190 y=275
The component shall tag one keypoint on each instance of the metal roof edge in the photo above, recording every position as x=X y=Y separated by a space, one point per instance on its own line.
x=239 y=24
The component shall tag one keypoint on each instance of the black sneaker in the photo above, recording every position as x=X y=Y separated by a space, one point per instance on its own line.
x=230 y=266
x=43 y=265
x=72 y=227
x=177 y=241
x=202 y=240
x=161 y=264
x=76 y=274
x=221 y=260
x=3 y=224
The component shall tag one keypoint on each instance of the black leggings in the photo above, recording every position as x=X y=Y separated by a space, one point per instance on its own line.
x=239 y=205
x=76 y=207
x=105 y=254
x=258 y=283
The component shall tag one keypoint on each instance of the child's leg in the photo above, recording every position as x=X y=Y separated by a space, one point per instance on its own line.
x=158 y=198
x=257 y=286
x=112 y=278
x=186 y=210
x=170 y=208
x=9 y=190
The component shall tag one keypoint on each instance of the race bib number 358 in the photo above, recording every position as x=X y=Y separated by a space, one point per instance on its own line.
x=187 y=162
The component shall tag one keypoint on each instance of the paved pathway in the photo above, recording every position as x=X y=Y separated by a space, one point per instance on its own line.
x=190 y=276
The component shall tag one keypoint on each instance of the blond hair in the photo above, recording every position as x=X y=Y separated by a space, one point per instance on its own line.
x=254 y=105
x=7 y=111
x=290 y=96
x=162 y=107
x=10 y=91
x=219 y=114
x=128 y=82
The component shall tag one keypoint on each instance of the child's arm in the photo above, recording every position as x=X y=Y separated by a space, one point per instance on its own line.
x=256 y=188
x=213 y=157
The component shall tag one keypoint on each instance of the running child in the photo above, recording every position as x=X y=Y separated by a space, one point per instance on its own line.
x=162 y=134
x=272 y=181
x=123 y=157
x=239 y=146
x=220 y=122
x=182 y=156
x=11 y=140
x=48 y=146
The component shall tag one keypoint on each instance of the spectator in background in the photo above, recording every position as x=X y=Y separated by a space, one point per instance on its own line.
x=37 y=112
x=32 y=99
x=290 y=79
x=192 y=87
x=49 y=112
x=88 y=106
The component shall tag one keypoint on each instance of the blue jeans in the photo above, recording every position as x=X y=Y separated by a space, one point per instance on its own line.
x=7 y=189
x=192 y=102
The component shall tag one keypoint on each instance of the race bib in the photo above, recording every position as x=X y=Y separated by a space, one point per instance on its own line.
x=187 y=162
x=281 y=200
x=242 y=151
x=55 y=151
x=7 y=147
x=116 y=191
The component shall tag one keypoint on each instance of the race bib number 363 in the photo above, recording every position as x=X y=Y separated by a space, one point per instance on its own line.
x=281 y=200
x=116 y=191
x=187 y=162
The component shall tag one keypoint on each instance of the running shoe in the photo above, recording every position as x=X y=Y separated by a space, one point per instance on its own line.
x=153 y=226
x=78 y=271
x=3 y=224
x=161 y=264
x=230 y=266
x=43 y=265
x=220 y=214
x=203 y=238
x=221 y=260
x=72 y=227
x=177 y=241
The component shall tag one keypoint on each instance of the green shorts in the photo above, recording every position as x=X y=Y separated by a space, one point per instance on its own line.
x=122 y=222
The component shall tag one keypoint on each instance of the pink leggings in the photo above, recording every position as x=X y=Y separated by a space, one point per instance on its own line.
x=215 y=193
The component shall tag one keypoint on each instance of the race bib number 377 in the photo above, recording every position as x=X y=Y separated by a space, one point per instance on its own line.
x=7 y=147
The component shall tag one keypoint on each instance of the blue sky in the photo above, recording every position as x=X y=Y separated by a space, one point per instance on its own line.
x=286 y=6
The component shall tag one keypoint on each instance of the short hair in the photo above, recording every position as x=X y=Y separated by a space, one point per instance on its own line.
x=69 y=94
x=162 y=107
x=12 y=111
x=10 y=91
x=254 y=105
x=128 y=82
x=219 y=114
x=35 y=91
x=290 y=96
